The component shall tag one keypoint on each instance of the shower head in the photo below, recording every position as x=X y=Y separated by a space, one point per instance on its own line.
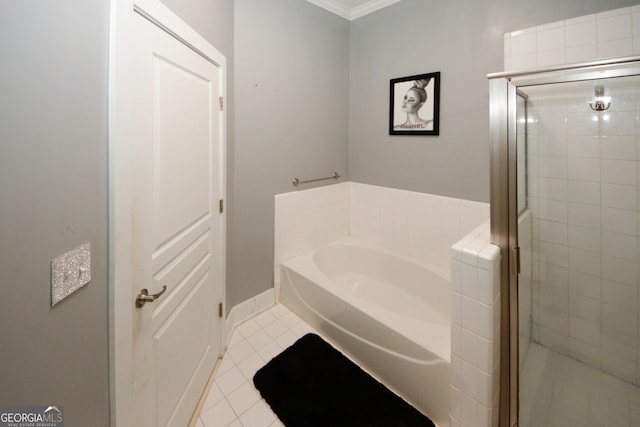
x=601 y=102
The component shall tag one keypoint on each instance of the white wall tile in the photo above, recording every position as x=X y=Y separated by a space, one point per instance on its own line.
x=619 y=221
x=552 y=167
x=619 y=147
x=620 y=270
x=618 y=122
x=635 y=22
x=485 y=359
x=588 y=353
x=547 y=58
x=621 y=295
x=524 y=42
x=456 y=372
x=550 y=39
x=582 y=33
x=470 y=315
x=469 y=348
x=620 y=196
x=588 y=239
x=614 y=27
x=524 y=62
x=553 y=232
x=585 y=284
x=615 y=48
x=485 y=389
x=585 y=215
x=622 y=172
x=582 y=53
x=588 y=262
x=584 y=169
x=585 y=192
x=456 y=339
x=456 y=308
x=487 y=291
x=469 y=411
x=485 y=320
x=552 y=188
x=456 y=403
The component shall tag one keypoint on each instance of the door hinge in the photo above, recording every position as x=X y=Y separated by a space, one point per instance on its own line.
x=220 y=311
x=515 y=260
x=221 y=103
x=221 y=206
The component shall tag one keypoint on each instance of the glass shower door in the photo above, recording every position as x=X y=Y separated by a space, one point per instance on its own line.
x=578 y=178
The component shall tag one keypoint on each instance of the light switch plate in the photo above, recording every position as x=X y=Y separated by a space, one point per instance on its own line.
x=70 y=272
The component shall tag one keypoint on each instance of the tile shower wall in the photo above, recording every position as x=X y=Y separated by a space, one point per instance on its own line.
x=610 y=34
x=583 y=180
x=584 y=175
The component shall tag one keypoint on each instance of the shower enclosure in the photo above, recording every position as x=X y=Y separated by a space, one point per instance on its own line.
x=565 y=212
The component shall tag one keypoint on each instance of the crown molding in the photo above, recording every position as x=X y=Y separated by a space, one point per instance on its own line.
x=370 y=7
x=334 y=7
x=350 y=14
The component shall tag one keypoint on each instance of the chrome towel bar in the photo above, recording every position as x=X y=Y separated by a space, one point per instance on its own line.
x=297 y=182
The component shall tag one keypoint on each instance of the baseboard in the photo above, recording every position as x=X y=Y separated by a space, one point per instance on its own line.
x=247 y=309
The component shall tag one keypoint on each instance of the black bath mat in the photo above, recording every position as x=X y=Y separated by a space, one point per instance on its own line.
x=312 y=384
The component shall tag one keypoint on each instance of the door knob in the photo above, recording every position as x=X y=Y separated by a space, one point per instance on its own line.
x=144 y=297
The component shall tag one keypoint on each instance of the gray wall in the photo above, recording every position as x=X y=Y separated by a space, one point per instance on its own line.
x=53 y=195
x=291 y=89
x=291 y=119
x=463 y=40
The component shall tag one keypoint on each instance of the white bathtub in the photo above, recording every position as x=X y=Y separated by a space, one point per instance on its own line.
x=387 y=312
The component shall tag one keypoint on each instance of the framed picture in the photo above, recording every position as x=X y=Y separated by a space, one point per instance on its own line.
x=414 y=105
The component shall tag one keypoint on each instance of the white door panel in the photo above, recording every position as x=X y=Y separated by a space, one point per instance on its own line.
x=180 y=355
x=177 y=229
x=182 y=126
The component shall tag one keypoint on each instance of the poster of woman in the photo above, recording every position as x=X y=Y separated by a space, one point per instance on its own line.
x=415 y=105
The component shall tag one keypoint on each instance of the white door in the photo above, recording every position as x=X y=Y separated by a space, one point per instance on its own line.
x=177 y=227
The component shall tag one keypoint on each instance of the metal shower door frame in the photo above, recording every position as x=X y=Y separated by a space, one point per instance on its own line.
x=503 y=88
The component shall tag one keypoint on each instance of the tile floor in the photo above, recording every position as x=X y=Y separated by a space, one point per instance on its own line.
x=556 y=390
x=233 y=400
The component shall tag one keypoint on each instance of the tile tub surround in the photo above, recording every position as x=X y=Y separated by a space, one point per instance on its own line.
x=475 y=332
x=418 y=225
x=424 y=227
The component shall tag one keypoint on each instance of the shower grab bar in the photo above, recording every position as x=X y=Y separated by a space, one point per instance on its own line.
x=297 y=182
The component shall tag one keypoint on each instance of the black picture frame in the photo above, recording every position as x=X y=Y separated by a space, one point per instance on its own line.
x=416 y=117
